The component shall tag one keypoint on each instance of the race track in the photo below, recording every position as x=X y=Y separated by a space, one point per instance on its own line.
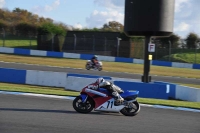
x=102 y=73
x=26 y=114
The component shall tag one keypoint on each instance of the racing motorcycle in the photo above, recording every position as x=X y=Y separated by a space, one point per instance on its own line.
x=98 y=66
x=101 y=100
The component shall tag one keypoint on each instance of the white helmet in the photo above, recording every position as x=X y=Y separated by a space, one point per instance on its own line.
x=99 y=80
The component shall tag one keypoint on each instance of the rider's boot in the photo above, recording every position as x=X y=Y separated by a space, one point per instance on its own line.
x=118 y=99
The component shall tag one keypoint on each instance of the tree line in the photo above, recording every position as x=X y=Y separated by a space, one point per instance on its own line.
x=23 y=22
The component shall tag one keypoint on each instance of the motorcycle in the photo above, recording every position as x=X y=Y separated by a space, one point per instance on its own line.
x=101 y=100
x=98 y=66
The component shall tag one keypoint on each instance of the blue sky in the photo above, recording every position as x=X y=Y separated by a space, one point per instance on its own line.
x=95 y=13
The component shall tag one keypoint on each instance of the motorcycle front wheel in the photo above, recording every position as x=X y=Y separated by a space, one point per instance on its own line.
x=81 y=107
x=100 y=68
x=131 y=111
x=87 y=66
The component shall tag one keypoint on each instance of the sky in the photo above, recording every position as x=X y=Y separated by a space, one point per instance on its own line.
x=95 y=13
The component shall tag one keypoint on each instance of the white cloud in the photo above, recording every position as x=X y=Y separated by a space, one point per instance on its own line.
x=98 y=18
x=2 y=3
x=114 y=11
x=78 y=26
x=182 y=27
x=46 y=8
x=180 y=4
x=110 y=4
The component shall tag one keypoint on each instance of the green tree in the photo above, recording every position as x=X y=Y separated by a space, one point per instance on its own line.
x=48 y=28
x=191 y=40
x=26 y=28
x=164 y=42
x=113 y=26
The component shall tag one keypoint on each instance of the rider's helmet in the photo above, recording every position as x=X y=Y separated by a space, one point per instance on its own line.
x=96 y=57
x=99 y=81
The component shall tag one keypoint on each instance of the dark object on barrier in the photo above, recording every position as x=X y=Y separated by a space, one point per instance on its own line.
x=148 y=18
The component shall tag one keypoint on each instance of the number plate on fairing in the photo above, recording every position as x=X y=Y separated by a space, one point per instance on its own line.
x=109 y=106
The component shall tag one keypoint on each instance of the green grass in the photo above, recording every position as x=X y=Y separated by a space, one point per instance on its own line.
x=190 y=85
x=63 y=92
x=19 y=42
x=183 y=57
x=107 y=66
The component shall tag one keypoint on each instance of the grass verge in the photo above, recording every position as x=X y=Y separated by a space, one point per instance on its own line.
x=63 y=92
x=19 y=42
x=189 y=57
x=190 y=85
x=108 y=66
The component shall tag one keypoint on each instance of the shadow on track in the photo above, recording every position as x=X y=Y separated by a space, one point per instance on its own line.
x=57 y=111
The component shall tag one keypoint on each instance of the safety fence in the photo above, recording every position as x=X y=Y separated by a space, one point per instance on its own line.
x=102 y=46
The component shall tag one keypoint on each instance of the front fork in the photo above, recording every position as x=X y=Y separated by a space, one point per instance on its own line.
x=84 y=97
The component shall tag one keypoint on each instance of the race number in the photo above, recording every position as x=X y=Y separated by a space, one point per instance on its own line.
x=110 y=103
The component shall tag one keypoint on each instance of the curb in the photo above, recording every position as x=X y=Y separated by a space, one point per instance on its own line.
x=72 y=98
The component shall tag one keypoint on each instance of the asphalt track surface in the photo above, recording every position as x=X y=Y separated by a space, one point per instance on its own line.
x=27 y=114
x=102 y=73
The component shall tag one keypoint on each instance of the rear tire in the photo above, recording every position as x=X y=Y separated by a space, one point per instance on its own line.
x=127 y=111
x=80 y=107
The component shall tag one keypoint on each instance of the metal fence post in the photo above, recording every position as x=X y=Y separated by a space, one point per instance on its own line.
x=105 y=46
x=52 y=42
x=118 y=44
x=30 y=40
x=93 y=44
x=170 y=45
x=3 y=37
x=74 y=42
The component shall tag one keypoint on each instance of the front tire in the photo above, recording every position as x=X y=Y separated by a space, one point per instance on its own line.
x=80 y=107
x=128 y=111
x=87 y=66
x=100 y=68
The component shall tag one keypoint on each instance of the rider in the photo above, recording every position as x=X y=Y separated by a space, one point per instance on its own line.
x=94 y=59
x=113 y=89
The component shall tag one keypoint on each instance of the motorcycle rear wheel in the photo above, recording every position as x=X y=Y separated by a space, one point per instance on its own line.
x=80 y=107
x=127 y=111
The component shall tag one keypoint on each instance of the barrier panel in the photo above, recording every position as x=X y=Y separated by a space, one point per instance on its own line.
x=146 y=90
x=12 y=76
x=38 y=53
x=22 y=51
x=187 y=93
x=125 y=60
x=46 y=78
x=172 y=87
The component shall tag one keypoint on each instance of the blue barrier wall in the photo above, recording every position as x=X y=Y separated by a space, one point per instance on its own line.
x=55 y=54
x=146 y=90
x=22 y=51
x=12 y=76
x=88 y=76
x=161 y=63
x=86 y=56
x=121 y=59
x=172 y=87
x=196 y=66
